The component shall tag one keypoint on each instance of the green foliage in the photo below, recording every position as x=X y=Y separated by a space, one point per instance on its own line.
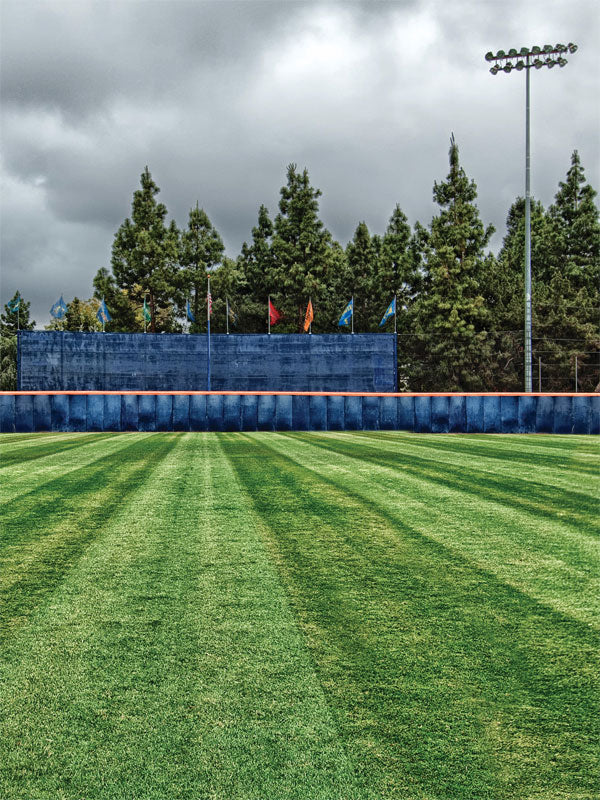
x=200 y=251
x=12 y=320
x=80 y=316
x=8 y=362
x=256 y=264
x=452 y=350
x=119 y=302
x=145 y=252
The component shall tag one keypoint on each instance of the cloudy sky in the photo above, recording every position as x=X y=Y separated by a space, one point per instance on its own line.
x=218 y=97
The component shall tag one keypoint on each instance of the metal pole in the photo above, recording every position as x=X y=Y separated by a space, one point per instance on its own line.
x=208 y=336
x=539 y=374
x=227 y=314
x=528 y=382
x=352 y=317
x=310 y=323
x=395 y=312
x=576 y=389
x=269 y=315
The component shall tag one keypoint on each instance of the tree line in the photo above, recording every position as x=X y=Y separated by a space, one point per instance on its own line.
x=460 y=307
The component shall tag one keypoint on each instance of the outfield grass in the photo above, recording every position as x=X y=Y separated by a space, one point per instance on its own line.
x=315 y=616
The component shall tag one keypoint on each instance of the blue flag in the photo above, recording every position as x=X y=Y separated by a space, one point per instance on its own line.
x=59 y=309
x=189 y=312
x=15 y=304
x=346 y=317
x=391 y=309
x=102 y=313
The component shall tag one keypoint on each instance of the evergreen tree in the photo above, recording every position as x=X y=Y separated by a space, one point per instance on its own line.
x=398 y=270
x=362 y=258
x=574 y=230
x=145 y=251
x=452 y=350
x=201 y=250
x=12 y=320
x=301 y=248
x=256 y=264
x=119 y=303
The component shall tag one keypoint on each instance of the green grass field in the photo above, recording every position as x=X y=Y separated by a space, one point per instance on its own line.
x=315 y=616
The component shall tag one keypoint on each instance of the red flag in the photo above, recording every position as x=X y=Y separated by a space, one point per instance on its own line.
x=274 y=315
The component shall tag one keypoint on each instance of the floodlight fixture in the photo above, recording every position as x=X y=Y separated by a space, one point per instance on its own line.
x=528 y=58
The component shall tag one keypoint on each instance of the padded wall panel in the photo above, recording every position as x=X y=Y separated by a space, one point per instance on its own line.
x=265 y=415
x=42 y=412
x=353 y=413
x=509 y=413
x=492 y=417
x=147 y=412
x=214 y=412
x=406 y=413
x=232 y=412
x=7 y=413
x=77 y=412
x=318 y=413
x=388 y=414
x=335 y=413
x=95 y=413
x=527 y=414
x=370 y=413
x=581 y=414
x=198 y=412
x=51 y=360
x=457 y=415
x=181 y=412
x=440 y=415
x=283 y=412
x=129 y=412
x=422 y=414
x=595 y=415
x=164 y=412
x=544 y=415
x=300 y=412
x=24 y=414
x=249 y=412
x=112 y=412
x=474 y=409
x=563 y=415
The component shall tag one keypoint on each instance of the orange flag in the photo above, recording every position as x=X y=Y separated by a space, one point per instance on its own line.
x=309 y=316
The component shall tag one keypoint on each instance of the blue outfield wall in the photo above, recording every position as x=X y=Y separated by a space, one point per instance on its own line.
x=57 y=360
x=565 y=414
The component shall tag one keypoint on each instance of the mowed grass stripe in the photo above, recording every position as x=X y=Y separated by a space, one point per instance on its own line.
x=33 y=450
x=538 y=499
x=448 y=683
x=167 y=663
x=574 y=469
x=552 y=561
x=47 y=531
x=19 y=479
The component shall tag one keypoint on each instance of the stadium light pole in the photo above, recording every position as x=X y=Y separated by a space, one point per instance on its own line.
x=526 y=59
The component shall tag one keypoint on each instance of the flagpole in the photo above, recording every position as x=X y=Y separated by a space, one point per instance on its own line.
x=352 y=317
x=208 y=337
x=269 y=315
x=227 y=314
x=144 y=314
x=310 y=323
x=395 y=312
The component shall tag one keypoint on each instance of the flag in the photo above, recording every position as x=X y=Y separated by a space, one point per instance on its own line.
x=14 y=304
x=274 y=315
x=189 y=312
x=146 y=312
x=347 y=315
x=390 y=311
x=231 y=314
x=209 y=303
x=102 y=313
x=59 y=309
x=309 y=316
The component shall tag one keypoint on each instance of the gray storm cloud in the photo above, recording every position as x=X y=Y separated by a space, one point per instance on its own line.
x=218 y=97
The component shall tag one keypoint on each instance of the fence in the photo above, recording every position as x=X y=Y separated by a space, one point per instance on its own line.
x=24 y=412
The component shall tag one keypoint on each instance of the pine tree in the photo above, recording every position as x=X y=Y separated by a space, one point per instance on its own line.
x=201 y=250
x=301 y=249
x=451 y=321
x=119 y=303
x=12 y=321
x=256 y=264
x=398 y=270
x=145 y=251
x=362 y=257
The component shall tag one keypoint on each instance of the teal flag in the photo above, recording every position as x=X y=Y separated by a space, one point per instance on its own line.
x=14 y=304
x=59 y=309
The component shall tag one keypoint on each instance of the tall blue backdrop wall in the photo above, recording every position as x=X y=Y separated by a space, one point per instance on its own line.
x=54 y=361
